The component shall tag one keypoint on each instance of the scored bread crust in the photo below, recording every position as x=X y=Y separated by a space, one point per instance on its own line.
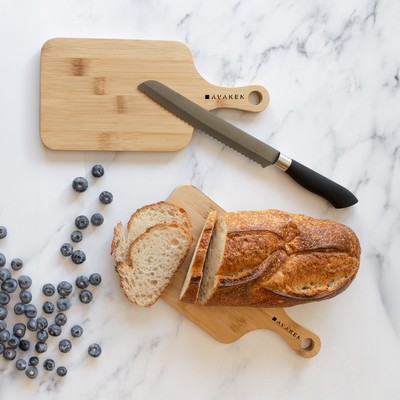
x=144 y=282
x=191 y=285
x=276 y=259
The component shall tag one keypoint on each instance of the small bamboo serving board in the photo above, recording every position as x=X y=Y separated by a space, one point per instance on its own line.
x=228 y=324
x=89 y=98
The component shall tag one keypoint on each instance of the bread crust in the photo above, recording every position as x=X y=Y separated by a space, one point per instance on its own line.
x=276 y=259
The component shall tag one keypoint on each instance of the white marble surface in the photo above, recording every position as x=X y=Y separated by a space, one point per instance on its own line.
x=332 y=70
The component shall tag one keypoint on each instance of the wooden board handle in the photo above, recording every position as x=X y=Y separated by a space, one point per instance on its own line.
x=306 y=343
x=253 y=98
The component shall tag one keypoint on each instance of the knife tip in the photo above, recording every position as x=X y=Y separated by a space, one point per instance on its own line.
x=146 y=84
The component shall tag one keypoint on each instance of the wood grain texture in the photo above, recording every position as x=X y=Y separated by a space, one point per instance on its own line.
x=228 y=324
x=89 y=98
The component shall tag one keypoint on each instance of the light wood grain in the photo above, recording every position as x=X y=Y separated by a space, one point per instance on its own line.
x=228 y=324
x=89 y=98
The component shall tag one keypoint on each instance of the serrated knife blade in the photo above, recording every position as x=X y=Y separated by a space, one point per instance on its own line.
x=246 y=144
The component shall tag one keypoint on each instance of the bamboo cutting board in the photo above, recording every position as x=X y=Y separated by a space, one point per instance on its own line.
x=89 y=98
x=228 y=324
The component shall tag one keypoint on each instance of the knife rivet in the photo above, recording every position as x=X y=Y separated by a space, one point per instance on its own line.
x=283 y=162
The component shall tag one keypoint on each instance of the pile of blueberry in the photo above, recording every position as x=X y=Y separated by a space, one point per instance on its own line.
x=30 y=331
x=15 y=338
x=80 y=185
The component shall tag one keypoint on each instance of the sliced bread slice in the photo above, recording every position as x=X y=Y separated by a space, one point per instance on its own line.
x=191 y=285
x=118 y=245
x=216 y=248
x=154 y=257
x=144 y=218
x=154 y=214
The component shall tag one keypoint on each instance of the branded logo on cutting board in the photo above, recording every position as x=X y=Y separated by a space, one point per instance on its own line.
x=224 y=96
x=287 y=328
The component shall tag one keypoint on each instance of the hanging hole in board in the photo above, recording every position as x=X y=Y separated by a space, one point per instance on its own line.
x=255 y=98
x=307 y=344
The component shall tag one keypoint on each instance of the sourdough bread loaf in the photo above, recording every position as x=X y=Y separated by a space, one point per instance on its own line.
x=191 y=284
x=277 y=259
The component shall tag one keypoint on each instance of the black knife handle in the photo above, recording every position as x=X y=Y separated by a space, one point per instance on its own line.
x=337 y=195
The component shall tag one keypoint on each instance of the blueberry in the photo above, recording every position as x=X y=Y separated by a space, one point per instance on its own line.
x=82 y=282
x=105 y=197
x=33 y=361
x=9 y=354
x=94 y=350
x=10 y=285
x=64 y=288
x=31 y=372
x=76 y=331
x=19 y=329
x=81 y=222
x=20 y=364
x=65 y=346
x=95 y=279
x=41 y=347
x=5 y=274
x=48 y=307
x=62 y=371
x=3 y=232
x=25 y=282
x=42 y=323
x=97 y=171
x=4 y=298
x=17 y=264
x=32 y=324
x=49 y=364
x=78 y=257
x=3 y=313
x=2 y=348
x=60 y=319
x=42 y=335
x=24 y=345
x=97 y=219
x=85 y=296
x=30 y=311
x=48 y=289
x=63 y=303
x=25 y=296
x=19 y=308
x=54 y=330
x=76 y=236
x=4 y=336
x=2 y=260
x=3 y=325
x=80 y=184
x=13 y=342
x=66 y=249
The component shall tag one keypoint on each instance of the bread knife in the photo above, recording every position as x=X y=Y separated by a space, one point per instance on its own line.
x=239 y=140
